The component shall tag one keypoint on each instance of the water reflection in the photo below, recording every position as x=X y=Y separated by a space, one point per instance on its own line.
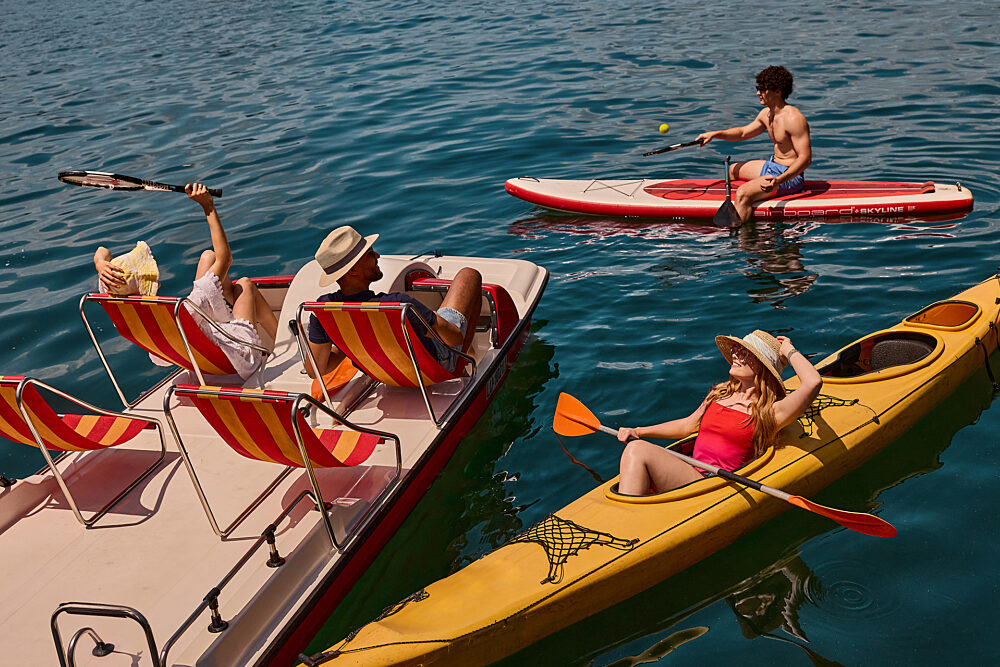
x=772 y=250
x=770 y=601
x=662 y=648
x=544 y=224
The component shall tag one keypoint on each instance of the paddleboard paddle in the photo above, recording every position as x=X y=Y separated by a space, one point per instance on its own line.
x=727 y=215
x=572 y=418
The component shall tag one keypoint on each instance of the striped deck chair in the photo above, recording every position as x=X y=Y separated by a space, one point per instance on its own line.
x=381 y=341
x=28 y=418
x=268 y=426
x=159 y=325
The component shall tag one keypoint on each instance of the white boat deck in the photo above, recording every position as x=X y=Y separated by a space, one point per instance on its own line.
x=156 y=552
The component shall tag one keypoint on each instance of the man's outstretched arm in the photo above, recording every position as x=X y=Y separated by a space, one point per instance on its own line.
x=735 y=133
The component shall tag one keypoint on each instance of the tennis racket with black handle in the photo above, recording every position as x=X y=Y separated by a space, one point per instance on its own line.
x=100 y=179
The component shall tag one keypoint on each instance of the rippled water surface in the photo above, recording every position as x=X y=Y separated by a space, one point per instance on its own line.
x=405 y=118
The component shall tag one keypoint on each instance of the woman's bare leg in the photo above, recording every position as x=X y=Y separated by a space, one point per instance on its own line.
x=644 y=466
x=253 y=307
x=205 y=263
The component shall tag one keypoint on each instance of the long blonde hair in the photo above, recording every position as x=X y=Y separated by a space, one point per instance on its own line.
x=761 y=409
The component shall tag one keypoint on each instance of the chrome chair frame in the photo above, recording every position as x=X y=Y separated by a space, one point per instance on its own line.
x=52 y=464
x=96 y=297
x=403 y=309
x=295 y=405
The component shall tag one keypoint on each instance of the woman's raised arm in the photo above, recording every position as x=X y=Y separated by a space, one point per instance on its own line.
x=794 y=404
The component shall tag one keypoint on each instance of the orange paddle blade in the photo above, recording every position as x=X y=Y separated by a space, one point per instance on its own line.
x=867 y=524
x=573 y=418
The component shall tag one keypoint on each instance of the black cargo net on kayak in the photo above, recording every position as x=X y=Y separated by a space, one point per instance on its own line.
x=808 y=419
x=561 y=538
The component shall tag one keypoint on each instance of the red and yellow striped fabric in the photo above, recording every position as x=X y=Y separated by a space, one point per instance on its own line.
x=372 y=336
x=149 y=323
x=70 y=433
x=257 y=423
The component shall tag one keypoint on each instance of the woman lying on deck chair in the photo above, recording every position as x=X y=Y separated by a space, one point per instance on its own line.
x=236 y=307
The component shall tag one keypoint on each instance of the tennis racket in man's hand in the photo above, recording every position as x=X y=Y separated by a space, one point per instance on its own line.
x=100 y=179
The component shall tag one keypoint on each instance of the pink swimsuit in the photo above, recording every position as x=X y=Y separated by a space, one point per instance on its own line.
x=725 y=438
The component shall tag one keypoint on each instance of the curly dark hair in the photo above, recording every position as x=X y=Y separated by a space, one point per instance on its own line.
x=777 y=78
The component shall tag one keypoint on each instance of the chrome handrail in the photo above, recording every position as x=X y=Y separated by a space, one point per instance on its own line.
x=212 y=596
x=443 y=289
x=101 y=610
x=101 y=648
x=119 y=611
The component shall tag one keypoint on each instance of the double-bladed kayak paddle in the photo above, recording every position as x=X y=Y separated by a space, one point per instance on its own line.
x=572 y=418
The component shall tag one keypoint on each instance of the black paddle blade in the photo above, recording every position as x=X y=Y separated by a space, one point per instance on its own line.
x=727 y=216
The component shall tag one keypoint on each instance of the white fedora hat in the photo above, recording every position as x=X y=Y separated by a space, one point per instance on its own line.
x=339 y=251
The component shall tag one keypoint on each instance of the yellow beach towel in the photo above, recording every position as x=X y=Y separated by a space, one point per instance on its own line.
x=141 y=273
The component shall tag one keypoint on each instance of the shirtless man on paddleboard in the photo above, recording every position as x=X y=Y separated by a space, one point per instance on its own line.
x=784 y=172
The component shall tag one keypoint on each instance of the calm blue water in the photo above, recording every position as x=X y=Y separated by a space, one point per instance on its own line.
x=405 y=118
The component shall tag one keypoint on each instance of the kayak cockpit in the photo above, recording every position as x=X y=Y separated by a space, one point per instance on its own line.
x=951 y=315
x=879 y=352
x=911 y=345
x=691 y=489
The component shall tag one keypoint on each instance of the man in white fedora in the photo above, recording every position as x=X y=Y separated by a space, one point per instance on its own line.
x=349 y=259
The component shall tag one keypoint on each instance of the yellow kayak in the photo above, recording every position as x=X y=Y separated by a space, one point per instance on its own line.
x=604 y=548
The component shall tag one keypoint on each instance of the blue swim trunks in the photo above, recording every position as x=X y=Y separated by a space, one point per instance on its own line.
x=791 y=186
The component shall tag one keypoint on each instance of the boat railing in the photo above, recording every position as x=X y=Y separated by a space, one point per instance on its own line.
x=210 y=602
x=101 y=648
x=502 y=312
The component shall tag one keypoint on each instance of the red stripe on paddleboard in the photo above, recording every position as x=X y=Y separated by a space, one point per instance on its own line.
x=716 y=189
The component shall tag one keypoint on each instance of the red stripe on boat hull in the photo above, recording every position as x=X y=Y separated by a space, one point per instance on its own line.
x=383 y=528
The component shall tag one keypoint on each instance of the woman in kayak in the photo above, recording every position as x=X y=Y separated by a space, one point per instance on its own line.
x=735 y=422
x=238 y=308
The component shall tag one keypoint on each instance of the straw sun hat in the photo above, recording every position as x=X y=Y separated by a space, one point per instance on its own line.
x=761 y=345
x=340 y=250
x=139 y=272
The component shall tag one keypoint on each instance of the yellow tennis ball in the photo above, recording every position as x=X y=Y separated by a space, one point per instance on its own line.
x=664 y=128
